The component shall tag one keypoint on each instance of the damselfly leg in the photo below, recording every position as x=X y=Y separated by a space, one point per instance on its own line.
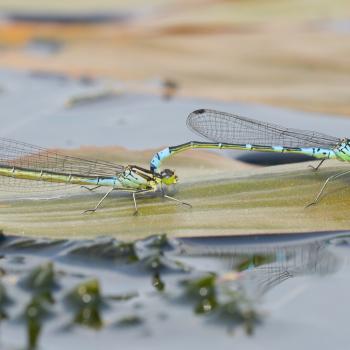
x=134 y=198
x=315 y=168
x=134 y=193
x=118 y=189
x=177 y=200
x=90 y=189
x=331 y=178
x=99 y=203
x=163 y=194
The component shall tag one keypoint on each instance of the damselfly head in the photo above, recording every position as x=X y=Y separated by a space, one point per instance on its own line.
x=168 y=177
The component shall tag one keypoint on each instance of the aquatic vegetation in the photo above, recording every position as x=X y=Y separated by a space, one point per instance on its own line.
x=110 y=286
x=106 y=249
x=86 y=301
x=4 y=302
x=40 y=283
x=35 y=313
x=221 y=303
x=234 y=313
x=157 y=283
x=157 y=262
x=203 y=292
x=41 y=280
x=153 y=257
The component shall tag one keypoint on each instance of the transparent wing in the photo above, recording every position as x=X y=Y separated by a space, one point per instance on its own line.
x=22 y=155
x=11 y=188
x=231 y=128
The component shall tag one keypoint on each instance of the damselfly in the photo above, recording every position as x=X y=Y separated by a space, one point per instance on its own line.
x=28 y=168
x=230 y=131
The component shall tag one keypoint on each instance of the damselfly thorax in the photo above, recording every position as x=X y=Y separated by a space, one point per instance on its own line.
x=342 y=150
x=28 y=168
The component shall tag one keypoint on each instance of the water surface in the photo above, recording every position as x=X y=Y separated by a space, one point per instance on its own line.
x=265 y=291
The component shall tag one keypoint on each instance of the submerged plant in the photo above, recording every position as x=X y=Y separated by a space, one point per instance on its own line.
x=4 y=302
x=157 y=283
x=41 y=280
x=35 y=313
x=203 y=292
x=236 y=311
x=218 y=298
x=212 y=298
x=86 y=301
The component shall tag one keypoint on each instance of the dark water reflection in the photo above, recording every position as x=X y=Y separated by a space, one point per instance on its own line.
x=157 y=292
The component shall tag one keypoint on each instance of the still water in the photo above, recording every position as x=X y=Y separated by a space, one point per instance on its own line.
x=257 y=292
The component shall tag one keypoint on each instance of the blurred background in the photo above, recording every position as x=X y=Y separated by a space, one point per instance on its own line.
x=121 y=77
x=283 y=53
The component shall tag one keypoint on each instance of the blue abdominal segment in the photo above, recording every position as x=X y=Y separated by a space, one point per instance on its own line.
x=158 y=158
x=319 y=153
x=111 y=181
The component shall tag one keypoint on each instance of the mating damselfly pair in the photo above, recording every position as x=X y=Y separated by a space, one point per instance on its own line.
x=41 y=169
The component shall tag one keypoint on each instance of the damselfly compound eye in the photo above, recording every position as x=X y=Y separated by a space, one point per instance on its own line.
x=167 y=173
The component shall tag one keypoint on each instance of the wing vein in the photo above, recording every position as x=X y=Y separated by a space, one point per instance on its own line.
x=230 y=128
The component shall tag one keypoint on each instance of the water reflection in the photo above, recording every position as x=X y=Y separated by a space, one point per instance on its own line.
x=264 y=262
x=85 y=301
x=108 y=285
